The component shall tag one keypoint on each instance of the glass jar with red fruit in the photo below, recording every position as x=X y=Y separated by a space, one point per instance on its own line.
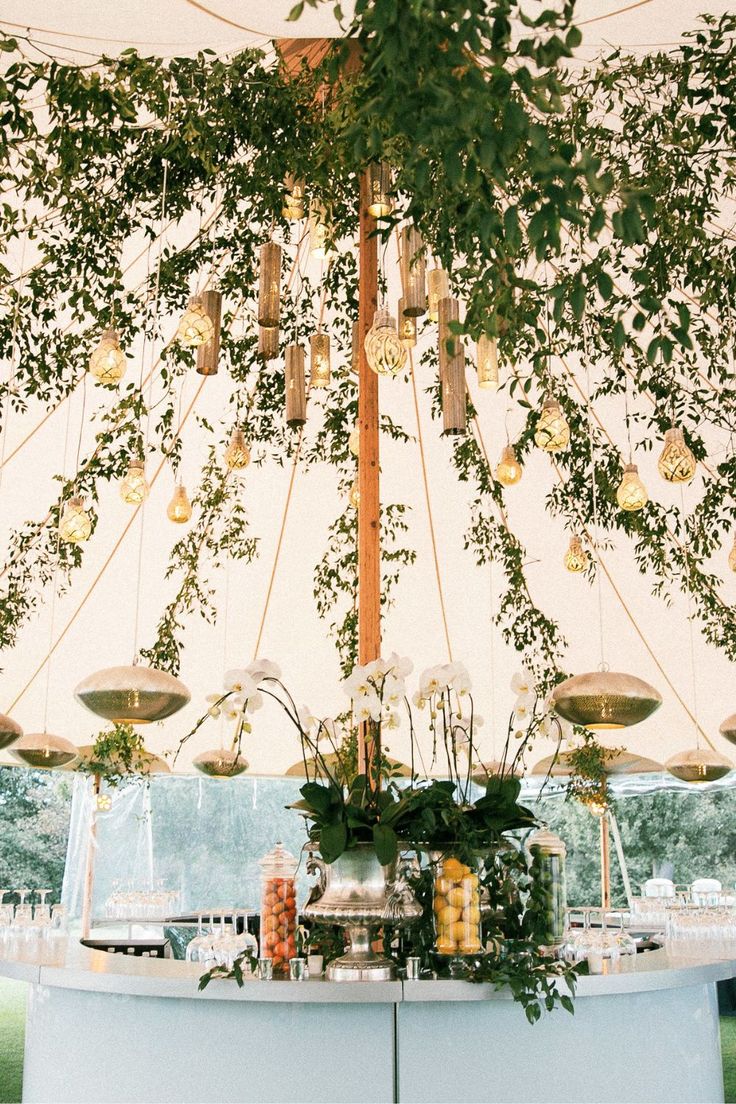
x=278 y=908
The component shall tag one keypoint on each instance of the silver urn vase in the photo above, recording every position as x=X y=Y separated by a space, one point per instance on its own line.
x=359 y=894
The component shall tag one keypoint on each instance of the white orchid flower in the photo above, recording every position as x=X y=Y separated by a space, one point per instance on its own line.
x=399 y=666
x=214 y=711
x=418 y=699
x=306 y=718
x=392 y=719
x=368 y=708
x=213 y=699
x=523 y=682
x=358 y=684
x=524 y=702
x=394 y=690
x=522 y=714
x=254 y=702
x=478 y=721
x=460 y=679
x=240 y=681
x=261 y=669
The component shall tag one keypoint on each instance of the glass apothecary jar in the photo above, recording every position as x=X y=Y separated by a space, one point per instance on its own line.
x=278 y=908
x=457 y=913
x=549 y=892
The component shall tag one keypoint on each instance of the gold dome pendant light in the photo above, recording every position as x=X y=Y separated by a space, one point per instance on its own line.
x=219 y=763
x=10 y=731
x=698 y=765
x=43 y=751
x=132 y=695
x=728 y=729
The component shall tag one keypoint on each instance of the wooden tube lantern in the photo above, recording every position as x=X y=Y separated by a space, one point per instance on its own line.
x=487 y=363
x=268 y=342
x=269 y=285
x=319 y=359
x=452 y=370
x=438 y=287
x=379 y=189
x=413 y=273
x=209 y=353
x=296 y=393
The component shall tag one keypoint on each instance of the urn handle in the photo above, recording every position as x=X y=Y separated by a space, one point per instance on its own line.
x=315 y=865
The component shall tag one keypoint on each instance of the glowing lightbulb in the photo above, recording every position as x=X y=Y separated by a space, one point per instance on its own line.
x=383 y=349
x=354 y=495
x=676 y=463
x=552 y=433
x=487 y=363
x=732 y=555
x=631 y=494
x=509 y=470
x=237 y=453
x=107 y=363
x=354 y=440
x=134 y=485
x=196 y=327
x=576 y=558
x=75 y=525
x=104 y=803
x=179 y=509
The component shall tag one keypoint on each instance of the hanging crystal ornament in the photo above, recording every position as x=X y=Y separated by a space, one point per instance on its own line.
x=698 y=765
x=237 y=453
x=438 y=287
x=676 y=463
x=320 y=231
x=132 y=695
x=196 y=327
x=631 y=494
x=576 y=558
x=452 y=370
x=380 y=202
x=107 y=363
x=413 y=272
x=487 y=362
x=552 y=433
x=407 y=328
x=354 y=440
x=269 y=285
x=44 y=751
x=295 y=388
x=134 y=485
x=728 y=729
x=293 y=205
x=75 y=525
x=732 y=555
x=268 y=342
x=605 y=700
x=354 y=495
x=509 y=470
x=208 y=353
x=219 y=763
x=179 y=509
x=383 y=349
x=10 y=731
x=319 y=359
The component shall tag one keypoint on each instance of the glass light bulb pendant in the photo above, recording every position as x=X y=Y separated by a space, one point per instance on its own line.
x=219 y=763
x=509 y=470
x=196 y=327
x=487 y=363
x=383 y=349
x=732 y=555
x=134 y=486
x=676 y=463
x=576 y=558
x=179 y=509
x=107 y=363
x=631 y=494
x=75 y=525
x=552 y=433
x=354 y=495
x=698 y=765
x=237 y=453
x=354 y=441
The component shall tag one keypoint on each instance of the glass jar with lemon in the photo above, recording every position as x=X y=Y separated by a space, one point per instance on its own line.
x=457 y=907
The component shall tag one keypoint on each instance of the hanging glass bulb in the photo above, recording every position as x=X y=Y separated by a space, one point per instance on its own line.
x=732 y=555
x=354 y=440
x=438 y=287
x=354 y=495
x=631 y=494
x=75 y=525
x=320 y=232
x=509 y=470
x=237 y=453
x=196 y=327
x=134 y=485
x=552 y=433
x=487 y=363
x=676 y=463
x=179 y=509
x=383 y=349
x=293 y=205
x=319 y=359
x=107 y=363
x=380 y=203
x=576 y=558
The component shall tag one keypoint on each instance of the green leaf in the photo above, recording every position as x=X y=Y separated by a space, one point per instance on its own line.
x=333 y=840
x=385 y=843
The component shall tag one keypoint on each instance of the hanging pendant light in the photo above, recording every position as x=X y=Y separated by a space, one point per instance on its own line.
x=605 y=700
x=452 y=371
x=378 y=179
x=407 y=328
x=295 y=387
x=576 y=558
x=195 y=326
x=320 y=232
x=237 y=453
x=43 y=751
x=676 y=463
x=413 y=272
x=509 y=470
x=438 y=287
x=293 y=205
x=75 y=525
x=552 y=433
x=10 y=731
x=728 y=729
x=179 y=509
x=385 y=354
x=354 y=441
x=354 y=495
x=631 y=494
x=208 y=353
x=732 y=555
x=134 y=485
x=269 y=285
x=219 y=763
x=487 y=362
x=698 y=765
x=107 y=363
x=319 y=359
x=268 y=342
x=132 y=695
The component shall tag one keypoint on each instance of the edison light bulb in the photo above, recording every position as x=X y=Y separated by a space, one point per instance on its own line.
x=732 y=556
x=196 y=327
x=552 y=433
x=180 y=508
x=383 y=349
x=237 y=453
x=509 y=470
x=677 y=463
x=631 y=494
x=134 y=486
x=576 y=558
x=293 y=205
x=354 y=495
x=487 y=362
x=75 y=525
x=107 y=363
x=354 y=440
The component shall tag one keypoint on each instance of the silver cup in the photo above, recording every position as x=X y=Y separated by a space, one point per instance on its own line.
x=413 y=968
x=265 y=969
x=298 y=969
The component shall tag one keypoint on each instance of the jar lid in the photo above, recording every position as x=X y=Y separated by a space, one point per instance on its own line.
x=546 y=841
x=279 y=862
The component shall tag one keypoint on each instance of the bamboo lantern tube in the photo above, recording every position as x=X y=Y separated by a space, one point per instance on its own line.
x=269 y=285
x=379 y=189
x=452 y=369
x=438 y=284
x=209 y=353
x=407 y=328
x=296 y=394
x=268 y=342
x=413 y=273
x=487 y=363
x=319 y=359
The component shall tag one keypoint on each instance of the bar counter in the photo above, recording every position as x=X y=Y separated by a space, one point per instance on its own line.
x=105 y=1027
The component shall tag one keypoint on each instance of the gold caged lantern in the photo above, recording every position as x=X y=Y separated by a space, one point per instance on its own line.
x=631 y=494
x=576 y=558
x=107 y=363
x=195 y=327
x=508 y=471
x=383 y=349
x=552 y=433
x=676 y=463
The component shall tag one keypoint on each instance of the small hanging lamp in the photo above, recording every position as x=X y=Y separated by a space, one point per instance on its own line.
x=320 y=231
x=134 y=485
x=407 y=328
x=219 y=763
x=699 y=765
x=179 y=509
x=413 y=272
x=269 y=285
x=438 y=287
x=354 y=495
x=509 y=470
x=107 y=363
x=676 y=463
x=552 y=433
x=487 y=362
x=296 y=394
x=605 y=700
x=268 y=342
x=631 y=494
x=576 y=558
x=132 y=695
x=452 y=370
x=237 y=453
x=728 y=729
x=196 y=327
x=208 y=353
x=378 y=179
x=43 y=751
x=385 y=354
x=10 y=731
x=75 y=525
x=293 y=205
x=319 y=359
